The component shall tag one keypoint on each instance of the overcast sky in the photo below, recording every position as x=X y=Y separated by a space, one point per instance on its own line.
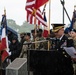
x=15 y=9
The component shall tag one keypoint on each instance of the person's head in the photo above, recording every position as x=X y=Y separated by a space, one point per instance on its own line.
x=14 y=39
x=72 y=33
x=58 y=30
x=22 y=35
x=40 y=31
x=52 y=33
x=9 y=32
x=34 y=33
x=27 y=36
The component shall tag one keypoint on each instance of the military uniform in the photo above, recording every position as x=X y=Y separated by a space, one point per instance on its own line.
x=39 y=45
x=74 y=37
x=23 y=53
x=74 y=41
x=34 y=45
x=58 y=29
x=26 y=46
x=74 y=64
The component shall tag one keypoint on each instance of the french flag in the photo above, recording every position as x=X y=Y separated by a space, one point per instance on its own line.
x=4 y=40
x=45 y=31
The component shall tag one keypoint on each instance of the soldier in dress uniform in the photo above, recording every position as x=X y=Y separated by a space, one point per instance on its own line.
x=58 y=30
x=26 y=46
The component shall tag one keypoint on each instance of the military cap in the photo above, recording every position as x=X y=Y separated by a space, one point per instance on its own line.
x=28 y=34
x=40 y=30
x=33 y=31
x=73 y=30
x=22 y=33
x=57 y=27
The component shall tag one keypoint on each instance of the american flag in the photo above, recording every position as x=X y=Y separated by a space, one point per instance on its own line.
x=30 y=16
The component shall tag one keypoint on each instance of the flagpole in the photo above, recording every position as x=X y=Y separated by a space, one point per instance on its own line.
x=35 y=26
x=63 y=11
x=49 y=15
x=4 y=11
x=49 y=24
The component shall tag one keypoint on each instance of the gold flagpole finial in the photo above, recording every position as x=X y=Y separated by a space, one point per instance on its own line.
x=4 y=11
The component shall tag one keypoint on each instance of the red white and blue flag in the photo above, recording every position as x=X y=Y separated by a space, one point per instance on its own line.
x=4 y=40
x=31 y=14
x=45 y=32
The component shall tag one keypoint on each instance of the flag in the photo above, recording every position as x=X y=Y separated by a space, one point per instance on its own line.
x=72 y=24
x=30 y=3
x=74 y=20
x=4 y=40
x=30 y=15
x=45 y=32
x=3 y=28
x=39 y=3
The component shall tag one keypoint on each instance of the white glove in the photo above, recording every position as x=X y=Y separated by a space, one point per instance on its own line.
x=8 y=52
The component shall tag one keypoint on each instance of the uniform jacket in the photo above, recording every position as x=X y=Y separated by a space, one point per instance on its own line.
x=23 y=53
x=74 y=43
x=66 y=42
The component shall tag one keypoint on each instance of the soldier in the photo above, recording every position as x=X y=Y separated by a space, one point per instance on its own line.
x=73 y=35
x=40 y=38
x=26 y=46
x=58 y=30
x=22 y=38
x=34 y=36
x=39 y=45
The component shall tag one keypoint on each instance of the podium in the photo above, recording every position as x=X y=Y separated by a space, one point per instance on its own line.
x=49 y=62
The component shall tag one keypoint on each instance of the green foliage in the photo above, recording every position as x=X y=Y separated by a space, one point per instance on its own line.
x=25 y=27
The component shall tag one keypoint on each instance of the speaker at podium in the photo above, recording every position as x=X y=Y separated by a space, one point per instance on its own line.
x=17 y=67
